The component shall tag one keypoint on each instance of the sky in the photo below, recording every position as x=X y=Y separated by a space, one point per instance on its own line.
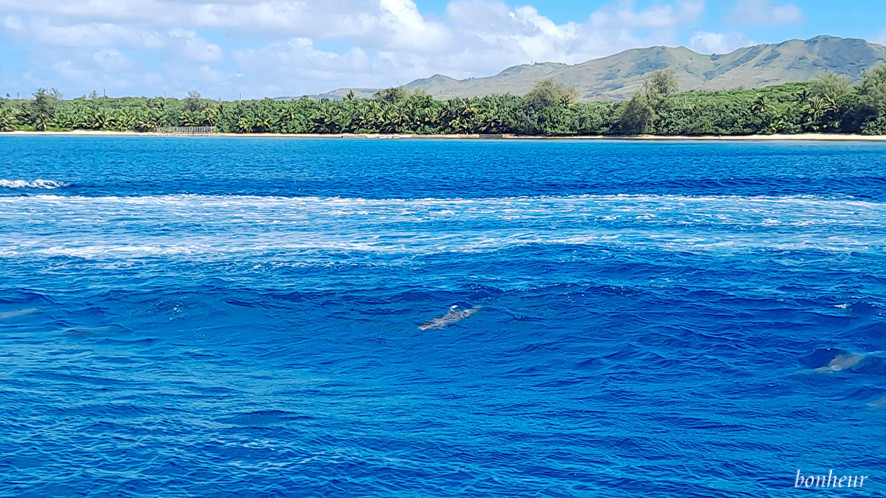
x=232 y=49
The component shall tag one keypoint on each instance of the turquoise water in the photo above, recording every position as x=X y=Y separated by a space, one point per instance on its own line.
x=244 y=317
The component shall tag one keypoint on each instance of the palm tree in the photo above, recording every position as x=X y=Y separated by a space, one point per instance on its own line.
x=761 y=104
x=8 y=119
x=244 y=125
x=148 y=120
x=125 y=120
x=191 y=118
x=821 y=113
x=803 y=96
x=325 y=119
x=210 y=115
x=101 y=120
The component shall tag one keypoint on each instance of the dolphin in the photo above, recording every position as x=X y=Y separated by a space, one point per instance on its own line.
x=89 y=331
x=841 y=362
x=15 y=314
x=451 y=316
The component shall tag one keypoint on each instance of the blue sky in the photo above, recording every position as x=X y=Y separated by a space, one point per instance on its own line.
x=258 y=48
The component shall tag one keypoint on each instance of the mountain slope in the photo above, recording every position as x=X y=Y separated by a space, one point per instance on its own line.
x=619 y=76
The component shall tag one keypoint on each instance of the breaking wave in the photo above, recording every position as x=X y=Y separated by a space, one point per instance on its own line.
x=38 y=183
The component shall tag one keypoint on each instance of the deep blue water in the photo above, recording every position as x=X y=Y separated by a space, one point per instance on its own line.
x=241 y=317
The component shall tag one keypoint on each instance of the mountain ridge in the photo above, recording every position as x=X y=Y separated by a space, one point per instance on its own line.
x=620 y=75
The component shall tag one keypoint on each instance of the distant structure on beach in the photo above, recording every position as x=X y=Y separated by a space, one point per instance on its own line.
x=187 y=130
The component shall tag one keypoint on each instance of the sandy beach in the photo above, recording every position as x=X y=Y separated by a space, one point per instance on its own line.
x=815 y=137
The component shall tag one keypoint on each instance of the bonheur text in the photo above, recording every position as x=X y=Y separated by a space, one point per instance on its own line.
x=829 y=481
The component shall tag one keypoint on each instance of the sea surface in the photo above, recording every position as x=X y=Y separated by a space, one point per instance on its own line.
x=241 y=317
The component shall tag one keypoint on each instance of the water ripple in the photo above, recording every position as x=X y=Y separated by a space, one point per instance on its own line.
x=223 y=317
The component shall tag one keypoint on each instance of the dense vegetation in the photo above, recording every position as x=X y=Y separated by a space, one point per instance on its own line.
x=828 y=104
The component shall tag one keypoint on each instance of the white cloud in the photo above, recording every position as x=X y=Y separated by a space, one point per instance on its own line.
x=328 y=19
x=718 y=43
x=111 y=60
x=492 y=15
x=764 y=12
x=184 y=43
x=152 y=11
x=72 y=73
x=480 y=37
x=409 y=29
x=304 y=68
x=881 y=37
x=210 y=75
x=306 y=46
x=622 y=15
x=12 y=24
x=42 y=31
x=385 y=23
x=194 y=48
x=493 y=35
x=101 y=70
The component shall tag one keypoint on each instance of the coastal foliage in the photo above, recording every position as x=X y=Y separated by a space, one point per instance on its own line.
x=828 y=104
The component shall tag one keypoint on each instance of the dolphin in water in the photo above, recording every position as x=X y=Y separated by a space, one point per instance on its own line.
x=8 y=315
x=90 y=331
x=450 y=317
x=841 y=362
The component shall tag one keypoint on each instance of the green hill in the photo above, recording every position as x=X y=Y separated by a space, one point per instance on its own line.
x=619 y=76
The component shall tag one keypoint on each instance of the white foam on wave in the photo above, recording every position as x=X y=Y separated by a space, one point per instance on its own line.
x=301 y=228
x=38 y=183
x=121 y=250
x=237 y=199
x=651 y=209
x=567 y=210
x=303 y=246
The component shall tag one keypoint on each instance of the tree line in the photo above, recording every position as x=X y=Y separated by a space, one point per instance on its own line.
x=827 y=104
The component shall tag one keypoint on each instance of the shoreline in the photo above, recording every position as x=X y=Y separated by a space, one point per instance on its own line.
x=802 y=137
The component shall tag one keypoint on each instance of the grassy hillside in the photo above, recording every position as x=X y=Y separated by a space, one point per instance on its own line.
x=619 y=76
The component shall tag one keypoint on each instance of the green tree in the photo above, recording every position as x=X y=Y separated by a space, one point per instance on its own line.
x=761 y=104
x=194 y=101
x=392 y=95
x=830 y=84
x=657 y=87
x=548 y=93
x=827 y=104
x=636 y=116
x=869 y=115
x=873 y=87
x=557 y=120
x=8 y=118
x=594 y=118
x=661 y=83
x=43 y=108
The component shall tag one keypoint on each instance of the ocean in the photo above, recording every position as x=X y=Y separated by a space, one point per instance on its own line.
x=274 y=317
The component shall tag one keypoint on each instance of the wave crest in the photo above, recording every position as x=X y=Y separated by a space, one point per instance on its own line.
x=38 y=183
